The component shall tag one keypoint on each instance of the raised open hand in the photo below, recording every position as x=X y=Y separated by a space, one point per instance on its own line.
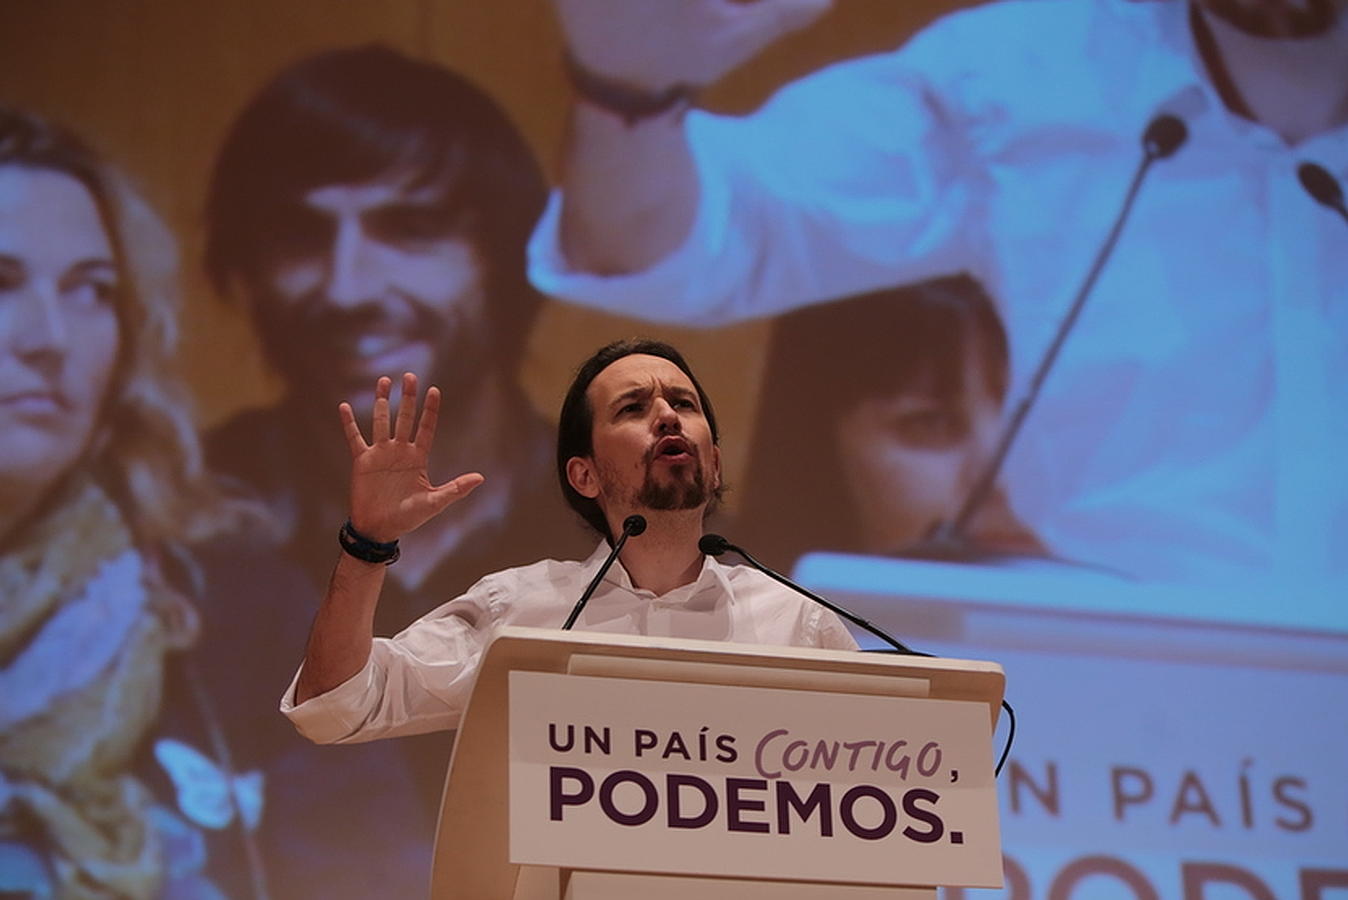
x=655 y=44
x=391 y=492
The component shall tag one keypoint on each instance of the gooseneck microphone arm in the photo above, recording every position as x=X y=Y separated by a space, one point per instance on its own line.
x=715 y=545
x=632 y=526
x=1323 y=187
x=1163 y=136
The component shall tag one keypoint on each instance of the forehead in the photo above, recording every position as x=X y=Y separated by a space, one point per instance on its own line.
x=355 y=198
x=49 y=217
x=636 y=372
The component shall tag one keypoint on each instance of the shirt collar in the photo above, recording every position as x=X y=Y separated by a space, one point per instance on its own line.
x=711 y=586
x=1173 y=78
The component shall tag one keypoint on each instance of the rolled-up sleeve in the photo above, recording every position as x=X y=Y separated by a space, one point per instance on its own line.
x=418 y=681
x=848 y=180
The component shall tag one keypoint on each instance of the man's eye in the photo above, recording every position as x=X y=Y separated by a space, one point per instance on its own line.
x=410 y=225
x=296 y=230
x=631 y=408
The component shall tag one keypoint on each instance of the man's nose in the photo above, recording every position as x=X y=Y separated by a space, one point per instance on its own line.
x=353 y=267
x=666 y=416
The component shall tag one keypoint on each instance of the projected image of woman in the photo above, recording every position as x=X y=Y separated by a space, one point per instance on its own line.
x=877 y=414
x=99 y=479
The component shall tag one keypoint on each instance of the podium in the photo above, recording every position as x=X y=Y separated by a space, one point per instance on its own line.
x=592 y=766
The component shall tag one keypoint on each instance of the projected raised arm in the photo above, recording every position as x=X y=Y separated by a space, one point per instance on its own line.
x=630 y=191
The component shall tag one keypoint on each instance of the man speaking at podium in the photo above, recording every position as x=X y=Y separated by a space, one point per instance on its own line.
x=637 y=441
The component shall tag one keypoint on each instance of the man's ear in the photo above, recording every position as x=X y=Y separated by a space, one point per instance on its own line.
x=716 y=467
x=580 y=472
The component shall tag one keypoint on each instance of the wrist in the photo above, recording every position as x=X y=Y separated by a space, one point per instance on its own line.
x=365 y=548
x=631 y=103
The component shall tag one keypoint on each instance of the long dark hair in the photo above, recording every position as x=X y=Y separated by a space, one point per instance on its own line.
x=824 y=360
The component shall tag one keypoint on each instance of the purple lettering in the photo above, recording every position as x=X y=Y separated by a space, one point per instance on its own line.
x=889 y=815
x=1129 y=786
x=819 y=799
x=559 y=798
x=627 y=776
x=1197 y=875
x=1089 y=866
x=736 y=804
x=677 y=819
x=935 y=827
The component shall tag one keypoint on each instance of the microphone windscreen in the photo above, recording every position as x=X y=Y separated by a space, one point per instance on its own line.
x=1321 y=185
x=634 y=525
x=1164 y=135
x=713 y=544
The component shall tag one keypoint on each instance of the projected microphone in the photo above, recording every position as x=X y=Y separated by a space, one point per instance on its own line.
x=1163 y=135
x=632 y=526
x=1323 y=187
x=715 y=545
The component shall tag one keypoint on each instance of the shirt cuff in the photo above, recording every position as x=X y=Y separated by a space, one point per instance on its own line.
x=334 y=715
x=669 y=291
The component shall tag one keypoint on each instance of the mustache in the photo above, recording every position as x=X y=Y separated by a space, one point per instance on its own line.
x=316 y=317
x=686 y=445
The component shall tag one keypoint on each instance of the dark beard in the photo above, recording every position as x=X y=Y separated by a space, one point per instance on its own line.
x=305 y=341
x=681 y=494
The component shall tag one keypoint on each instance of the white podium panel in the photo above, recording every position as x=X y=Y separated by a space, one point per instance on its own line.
x=596 y=766
x=643 y=776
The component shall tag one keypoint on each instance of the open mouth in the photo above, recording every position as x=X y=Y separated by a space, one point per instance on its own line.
x=673 y=449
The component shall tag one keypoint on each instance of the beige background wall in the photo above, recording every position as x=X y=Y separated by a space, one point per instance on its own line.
x=155 y=84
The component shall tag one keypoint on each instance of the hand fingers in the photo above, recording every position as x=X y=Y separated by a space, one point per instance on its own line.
x=379 y=427
x=444 y=494
x=430 y=417
x=355 y=442
x=407 y=408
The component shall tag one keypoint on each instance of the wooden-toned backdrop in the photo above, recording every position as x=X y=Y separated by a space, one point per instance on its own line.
x=154 y=84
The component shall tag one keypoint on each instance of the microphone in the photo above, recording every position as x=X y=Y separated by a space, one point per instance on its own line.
x=632 y=526
x=1163 y=136
x=715 y=545
x=1323 y=187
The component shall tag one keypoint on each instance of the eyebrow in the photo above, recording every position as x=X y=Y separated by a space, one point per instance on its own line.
x=642 y=392
x=93 y=262
x=82 y=266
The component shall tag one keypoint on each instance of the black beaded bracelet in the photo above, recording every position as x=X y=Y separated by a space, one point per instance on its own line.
x=631 y=103
x=364 y=549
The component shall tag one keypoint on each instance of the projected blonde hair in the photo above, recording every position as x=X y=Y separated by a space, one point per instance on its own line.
x=146 y=452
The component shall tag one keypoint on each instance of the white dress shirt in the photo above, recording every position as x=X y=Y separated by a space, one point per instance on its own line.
x=1189 y=431
x=420 y=680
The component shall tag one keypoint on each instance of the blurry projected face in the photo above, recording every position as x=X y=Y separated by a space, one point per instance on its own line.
x=58 y=321
x=909 y=457
x=377 y=280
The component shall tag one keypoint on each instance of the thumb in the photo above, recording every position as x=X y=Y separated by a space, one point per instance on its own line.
x=442 y=495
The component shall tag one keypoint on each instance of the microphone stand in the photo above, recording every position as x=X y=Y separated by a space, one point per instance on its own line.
x=1323 y=187
x=632 y=526
x=948 y=541
x=715 y=545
